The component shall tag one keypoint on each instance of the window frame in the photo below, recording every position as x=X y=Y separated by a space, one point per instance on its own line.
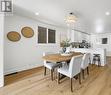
x=47 y=36
x=38 y=35
x=54 y=35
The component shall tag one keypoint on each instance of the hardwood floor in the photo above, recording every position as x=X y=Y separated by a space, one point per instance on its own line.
x=33 y=82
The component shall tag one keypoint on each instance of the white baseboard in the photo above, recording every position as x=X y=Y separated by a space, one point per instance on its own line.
x=22 y=68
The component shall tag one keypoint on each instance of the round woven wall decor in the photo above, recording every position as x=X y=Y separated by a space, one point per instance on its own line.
x=13 y=36
x=27 y=32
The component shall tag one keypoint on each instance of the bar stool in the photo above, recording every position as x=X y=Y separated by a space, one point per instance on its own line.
x=96 y=58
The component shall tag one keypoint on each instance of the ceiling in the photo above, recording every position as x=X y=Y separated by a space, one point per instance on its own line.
x=54 y=12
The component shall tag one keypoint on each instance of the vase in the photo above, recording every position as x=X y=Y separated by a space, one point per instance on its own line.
x=64 y=49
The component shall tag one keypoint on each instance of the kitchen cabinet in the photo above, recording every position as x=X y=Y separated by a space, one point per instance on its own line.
x=93 y=51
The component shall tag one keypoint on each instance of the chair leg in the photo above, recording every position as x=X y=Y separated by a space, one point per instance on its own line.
x=88 y=70
x=99 y=63
x=58 y=78
x=52 y=75
x=71 y=84
x=83 y=74
x=44 y=71
x=79 y=78
x=56 y=73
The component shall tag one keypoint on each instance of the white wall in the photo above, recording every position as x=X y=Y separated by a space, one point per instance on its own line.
x=26 y=53
x=1 y=49
x=97 y=42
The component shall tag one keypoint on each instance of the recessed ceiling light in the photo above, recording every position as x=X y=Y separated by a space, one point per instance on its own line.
x=37 y=13
x=107 y=13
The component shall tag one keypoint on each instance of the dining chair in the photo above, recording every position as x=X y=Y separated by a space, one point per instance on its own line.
x=71 y=70
x=50 y=65
x=85 y=63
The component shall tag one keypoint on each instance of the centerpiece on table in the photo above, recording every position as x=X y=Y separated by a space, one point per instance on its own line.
x=64 y=44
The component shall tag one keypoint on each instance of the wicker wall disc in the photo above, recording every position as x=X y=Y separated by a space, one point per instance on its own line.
x=27 y=32
x=13 y=36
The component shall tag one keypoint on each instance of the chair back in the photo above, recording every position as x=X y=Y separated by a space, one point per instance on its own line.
x=75 y=65
x=85 y=61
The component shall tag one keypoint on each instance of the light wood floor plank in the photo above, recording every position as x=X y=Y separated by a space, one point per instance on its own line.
x=33 y=82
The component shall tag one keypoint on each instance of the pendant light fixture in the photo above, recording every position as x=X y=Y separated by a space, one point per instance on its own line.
x=71 y=18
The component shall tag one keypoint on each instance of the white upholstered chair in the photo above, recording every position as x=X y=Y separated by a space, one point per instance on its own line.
x=50 y=65
x=71 y=70
x=85 y=63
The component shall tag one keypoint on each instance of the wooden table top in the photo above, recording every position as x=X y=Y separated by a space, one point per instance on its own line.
x=59 y=58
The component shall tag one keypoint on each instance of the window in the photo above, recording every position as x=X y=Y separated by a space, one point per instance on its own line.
x=104 y=40
x=42 y=35
x=51 y=36
x=46 y=35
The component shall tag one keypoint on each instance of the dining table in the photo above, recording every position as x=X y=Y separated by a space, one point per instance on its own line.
x=57 y=57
